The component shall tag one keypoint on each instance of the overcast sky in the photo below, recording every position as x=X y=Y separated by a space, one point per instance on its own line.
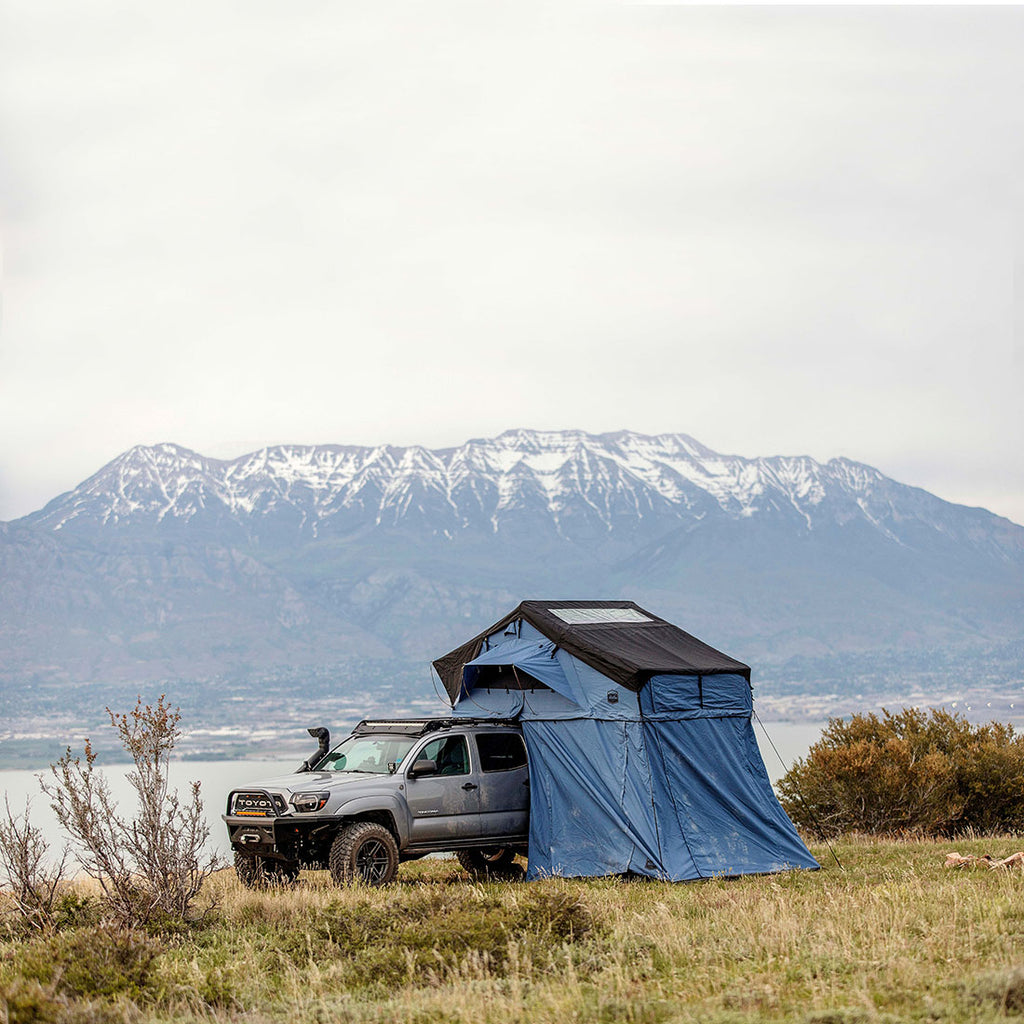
x=782 y=231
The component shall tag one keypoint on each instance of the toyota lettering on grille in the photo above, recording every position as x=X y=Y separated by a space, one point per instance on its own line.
x=254 y=805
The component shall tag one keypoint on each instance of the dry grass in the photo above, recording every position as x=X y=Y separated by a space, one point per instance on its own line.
x=894 y=937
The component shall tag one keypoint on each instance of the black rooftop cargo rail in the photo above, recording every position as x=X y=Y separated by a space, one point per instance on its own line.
x=421 y=726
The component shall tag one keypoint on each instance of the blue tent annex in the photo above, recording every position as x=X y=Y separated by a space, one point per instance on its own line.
x=640 y=741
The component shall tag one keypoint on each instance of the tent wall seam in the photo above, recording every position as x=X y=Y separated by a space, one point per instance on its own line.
x=675 y=809
x=650 y=781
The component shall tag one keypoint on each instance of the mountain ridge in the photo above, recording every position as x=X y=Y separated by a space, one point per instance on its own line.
x=166 y=563
x=621 y=474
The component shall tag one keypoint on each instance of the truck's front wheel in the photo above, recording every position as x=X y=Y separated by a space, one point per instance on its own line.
x=259 y=872
x=364 y=852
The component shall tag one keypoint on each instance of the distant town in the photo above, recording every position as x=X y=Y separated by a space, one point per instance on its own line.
x=231 y=719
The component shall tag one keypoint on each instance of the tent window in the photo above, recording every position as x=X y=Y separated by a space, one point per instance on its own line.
x=501 y=752
x=594 y=616
x=504 y=677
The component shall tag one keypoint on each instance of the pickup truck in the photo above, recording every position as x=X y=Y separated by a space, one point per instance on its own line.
x=394 y=790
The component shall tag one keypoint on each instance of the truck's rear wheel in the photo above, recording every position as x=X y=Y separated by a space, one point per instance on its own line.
x=364 y=852
x=490 y=862
x=259 y=872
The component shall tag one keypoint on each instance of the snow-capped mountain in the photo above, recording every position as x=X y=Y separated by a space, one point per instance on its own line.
x=166 y=563
x=574 y=485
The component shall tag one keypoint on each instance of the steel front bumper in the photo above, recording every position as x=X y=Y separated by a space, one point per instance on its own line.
x=254 y=824
x=255 y=836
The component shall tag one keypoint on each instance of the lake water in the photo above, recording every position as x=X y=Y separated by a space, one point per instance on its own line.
x=791 y=741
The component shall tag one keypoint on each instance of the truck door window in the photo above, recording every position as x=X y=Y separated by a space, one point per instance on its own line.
x=500 y=752
x=450 y=754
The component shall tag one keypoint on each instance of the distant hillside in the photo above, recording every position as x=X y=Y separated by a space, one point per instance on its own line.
x=167 y=564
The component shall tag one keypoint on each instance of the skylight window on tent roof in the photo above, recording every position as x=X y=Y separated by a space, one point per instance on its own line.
x=594 y=616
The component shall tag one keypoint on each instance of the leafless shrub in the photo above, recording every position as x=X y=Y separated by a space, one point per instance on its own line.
x=155 y=862
x=34 y=880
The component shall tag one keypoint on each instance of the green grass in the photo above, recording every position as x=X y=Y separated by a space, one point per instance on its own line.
x=893 y=937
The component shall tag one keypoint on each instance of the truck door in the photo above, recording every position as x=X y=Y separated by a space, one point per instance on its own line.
x=444 y=804
x=504 y=784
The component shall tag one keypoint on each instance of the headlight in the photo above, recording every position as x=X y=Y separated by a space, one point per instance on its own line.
x=304 y=803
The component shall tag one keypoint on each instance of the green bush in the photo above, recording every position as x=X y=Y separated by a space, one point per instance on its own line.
x=423 y=932
x=924 y=773
x=91 y=963
x=377 y=941
x=28 y=1002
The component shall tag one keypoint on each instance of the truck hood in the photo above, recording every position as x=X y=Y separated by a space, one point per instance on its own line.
x=305 y=782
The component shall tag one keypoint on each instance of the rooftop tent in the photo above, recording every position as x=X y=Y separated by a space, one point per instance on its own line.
x=642 y=753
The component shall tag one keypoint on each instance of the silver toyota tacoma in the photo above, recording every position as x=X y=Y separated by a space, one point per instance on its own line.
x=394 y=790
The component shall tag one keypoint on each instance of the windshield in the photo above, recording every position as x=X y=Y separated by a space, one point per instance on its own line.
x=378 y=755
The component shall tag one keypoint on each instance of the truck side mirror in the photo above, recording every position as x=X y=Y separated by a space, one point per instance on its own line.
x=424 y=766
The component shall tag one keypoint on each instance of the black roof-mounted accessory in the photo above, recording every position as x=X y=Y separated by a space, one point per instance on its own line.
x=421 y=726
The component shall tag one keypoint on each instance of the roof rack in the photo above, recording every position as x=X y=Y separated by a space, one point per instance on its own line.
x=421 y=726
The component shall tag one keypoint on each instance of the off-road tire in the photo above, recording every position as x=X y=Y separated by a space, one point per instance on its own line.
x=363 y=852
x=262 y=872
x=490 y=862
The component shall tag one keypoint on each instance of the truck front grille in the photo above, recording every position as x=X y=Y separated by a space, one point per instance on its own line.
x=256 y=804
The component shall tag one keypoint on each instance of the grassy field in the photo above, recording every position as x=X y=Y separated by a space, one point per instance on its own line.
x=893 y=937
